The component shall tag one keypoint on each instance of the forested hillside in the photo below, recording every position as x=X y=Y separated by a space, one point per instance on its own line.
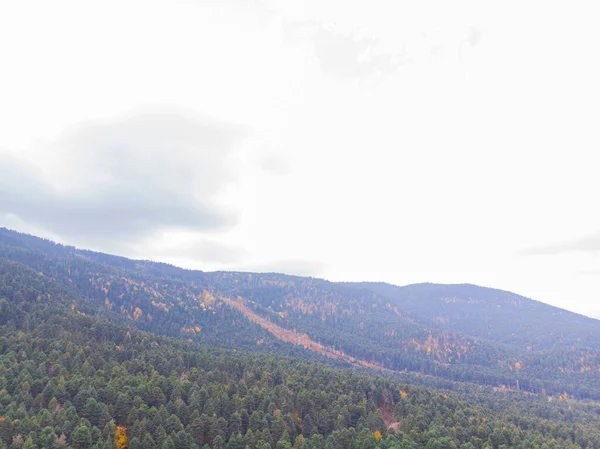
x=491 y=314
x=69 y=378
x=462 y=333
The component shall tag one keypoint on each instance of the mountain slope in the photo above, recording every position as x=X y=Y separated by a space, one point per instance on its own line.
x=454 y=332
x=71 y=380
x=491 y=314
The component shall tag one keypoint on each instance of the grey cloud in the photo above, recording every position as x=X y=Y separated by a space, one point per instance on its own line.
x=128 y=179
x=275 y=163
x=346 y=56
x=474 y=35
x=350 y=56
x=472 y=39
x=587 y=244
x=298 y=267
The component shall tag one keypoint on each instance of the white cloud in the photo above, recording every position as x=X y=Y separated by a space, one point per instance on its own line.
x=117 y=183
x=440 y=169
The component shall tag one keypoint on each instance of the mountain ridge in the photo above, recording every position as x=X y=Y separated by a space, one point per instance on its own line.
x=460 y=332
x=364 y=284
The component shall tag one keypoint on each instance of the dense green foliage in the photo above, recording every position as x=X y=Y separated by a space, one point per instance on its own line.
x=98 y=351
x=461 y=333
x=485 y=313
x=69 y=380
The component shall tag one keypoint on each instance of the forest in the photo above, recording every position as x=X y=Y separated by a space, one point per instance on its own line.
x=460 y=333
x=68 y=380
x=104 y=352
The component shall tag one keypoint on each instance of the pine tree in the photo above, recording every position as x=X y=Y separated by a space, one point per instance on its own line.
x=82 y=438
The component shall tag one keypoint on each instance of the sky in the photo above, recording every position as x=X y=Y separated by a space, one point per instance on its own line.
x=388 y=140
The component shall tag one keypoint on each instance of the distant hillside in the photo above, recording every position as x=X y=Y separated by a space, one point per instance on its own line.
x=491 y=314
x=456 y=332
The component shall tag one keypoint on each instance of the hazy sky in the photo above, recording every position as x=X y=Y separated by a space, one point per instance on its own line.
x=383 y=140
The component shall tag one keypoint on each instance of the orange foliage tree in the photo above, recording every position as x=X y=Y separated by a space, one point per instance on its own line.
x=121 y=437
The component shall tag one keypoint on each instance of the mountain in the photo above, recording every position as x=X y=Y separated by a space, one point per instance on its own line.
x=461 y=333
x=104 y=352
x=491 y=314
x=70 y=378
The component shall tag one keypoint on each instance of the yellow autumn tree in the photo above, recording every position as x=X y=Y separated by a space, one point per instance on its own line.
x=121 y=437
x=377 y=435
x=518 y=366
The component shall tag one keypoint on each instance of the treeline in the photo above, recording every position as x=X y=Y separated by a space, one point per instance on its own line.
x=169 y=301
x=71 y=379
x=82 y=383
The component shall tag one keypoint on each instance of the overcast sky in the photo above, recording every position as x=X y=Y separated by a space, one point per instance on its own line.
x=383 y=140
